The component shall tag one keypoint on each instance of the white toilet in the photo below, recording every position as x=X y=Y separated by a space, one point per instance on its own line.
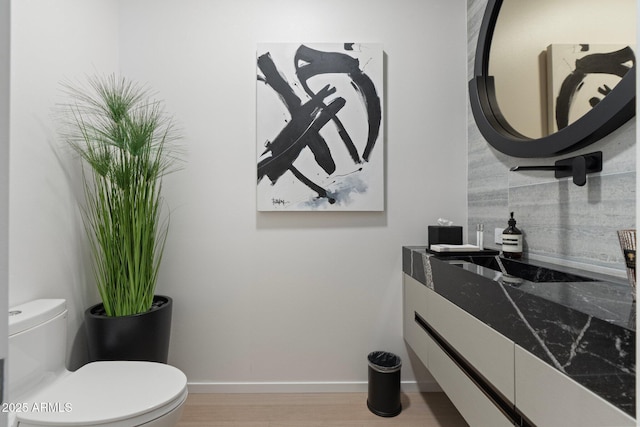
x=41 y=392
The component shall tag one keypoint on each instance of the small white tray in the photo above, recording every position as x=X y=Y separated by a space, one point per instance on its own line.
x=454 y=248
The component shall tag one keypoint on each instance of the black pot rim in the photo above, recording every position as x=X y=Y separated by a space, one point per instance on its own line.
x=93 y=310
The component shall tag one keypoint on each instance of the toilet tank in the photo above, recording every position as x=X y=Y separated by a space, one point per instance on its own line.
x=37 y=345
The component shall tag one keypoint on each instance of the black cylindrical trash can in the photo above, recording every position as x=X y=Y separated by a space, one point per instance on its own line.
x=384 y=384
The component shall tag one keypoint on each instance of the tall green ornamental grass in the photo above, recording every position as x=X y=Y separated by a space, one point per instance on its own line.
x=127 y=144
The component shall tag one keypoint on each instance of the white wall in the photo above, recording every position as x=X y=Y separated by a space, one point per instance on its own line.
x=5 y=36
x=51 y=41
x=295 y=297
x=263 y=301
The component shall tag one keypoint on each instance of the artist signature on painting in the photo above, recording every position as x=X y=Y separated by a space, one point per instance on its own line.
x=278 y=202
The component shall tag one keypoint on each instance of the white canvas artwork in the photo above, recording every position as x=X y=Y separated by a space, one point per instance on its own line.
x=579 y=76
x=320 y=127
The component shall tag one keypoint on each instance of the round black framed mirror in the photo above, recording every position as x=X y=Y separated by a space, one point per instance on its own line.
x=605 y=116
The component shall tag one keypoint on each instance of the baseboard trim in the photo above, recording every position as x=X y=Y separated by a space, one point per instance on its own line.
x=303 y=387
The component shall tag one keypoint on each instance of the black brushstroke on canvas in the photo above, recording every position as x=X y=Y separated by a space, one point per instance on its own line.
x=308 y=118
x=615 y=63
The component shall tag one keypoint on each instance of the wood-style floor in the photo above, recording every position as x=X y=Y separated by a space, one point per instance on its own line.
x=315 y=410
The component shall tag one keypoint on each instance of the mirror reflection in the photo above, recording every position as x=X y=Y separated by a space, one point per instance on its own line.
x=533 y=59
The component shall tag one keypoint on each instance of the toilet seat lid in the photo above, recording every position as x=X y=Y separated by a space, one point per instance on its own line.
x=107 y=392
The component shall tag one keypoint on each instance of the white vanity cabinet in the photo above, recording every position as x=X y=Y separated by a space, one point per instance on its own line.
x=491 y=380
x=487 y=351
x=415 y=297
x=481 y=347
x=468 y=398
x=550 y=398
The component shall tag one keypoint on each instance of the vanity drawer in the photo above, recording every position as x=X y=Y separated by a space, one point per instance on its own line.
x=489 y=353
x=547 y=397
x=469 y=399
x=414 y=301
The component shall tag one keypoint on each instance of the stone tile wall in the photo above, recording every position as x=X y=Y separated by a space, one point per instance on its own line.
x=561 y=222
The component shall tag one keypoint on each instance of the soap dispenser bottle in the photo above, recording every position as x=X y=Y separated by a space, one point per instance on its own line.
x=512 y=240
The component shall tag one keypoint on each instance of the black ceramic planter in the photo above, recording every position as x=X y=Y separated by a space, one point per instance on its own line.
x=142 y=336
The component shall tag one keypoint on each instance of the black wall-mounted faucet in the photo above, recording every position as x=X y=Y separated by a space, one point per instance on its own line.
x=578 y=167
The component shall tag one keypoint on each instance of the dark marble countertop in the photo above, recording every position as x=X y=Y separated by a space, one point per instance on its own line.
x=583 y=328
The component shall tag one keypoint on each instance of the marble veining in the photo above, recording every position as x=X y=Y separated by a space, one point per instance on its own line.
x=584 y=329
x=535 y=333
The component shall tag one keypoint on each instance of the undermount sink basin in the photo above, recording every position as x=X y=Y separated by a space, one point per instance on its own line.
x=520 y=270
x=607 y=298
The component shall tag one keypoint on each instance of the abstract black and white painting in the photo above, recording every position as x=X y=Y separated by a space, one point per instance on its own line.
x=320 y=127
x=579 y=76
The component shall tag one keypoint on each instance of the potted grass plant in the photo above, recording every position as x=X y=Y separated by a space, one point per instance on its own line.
x=127 y=144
